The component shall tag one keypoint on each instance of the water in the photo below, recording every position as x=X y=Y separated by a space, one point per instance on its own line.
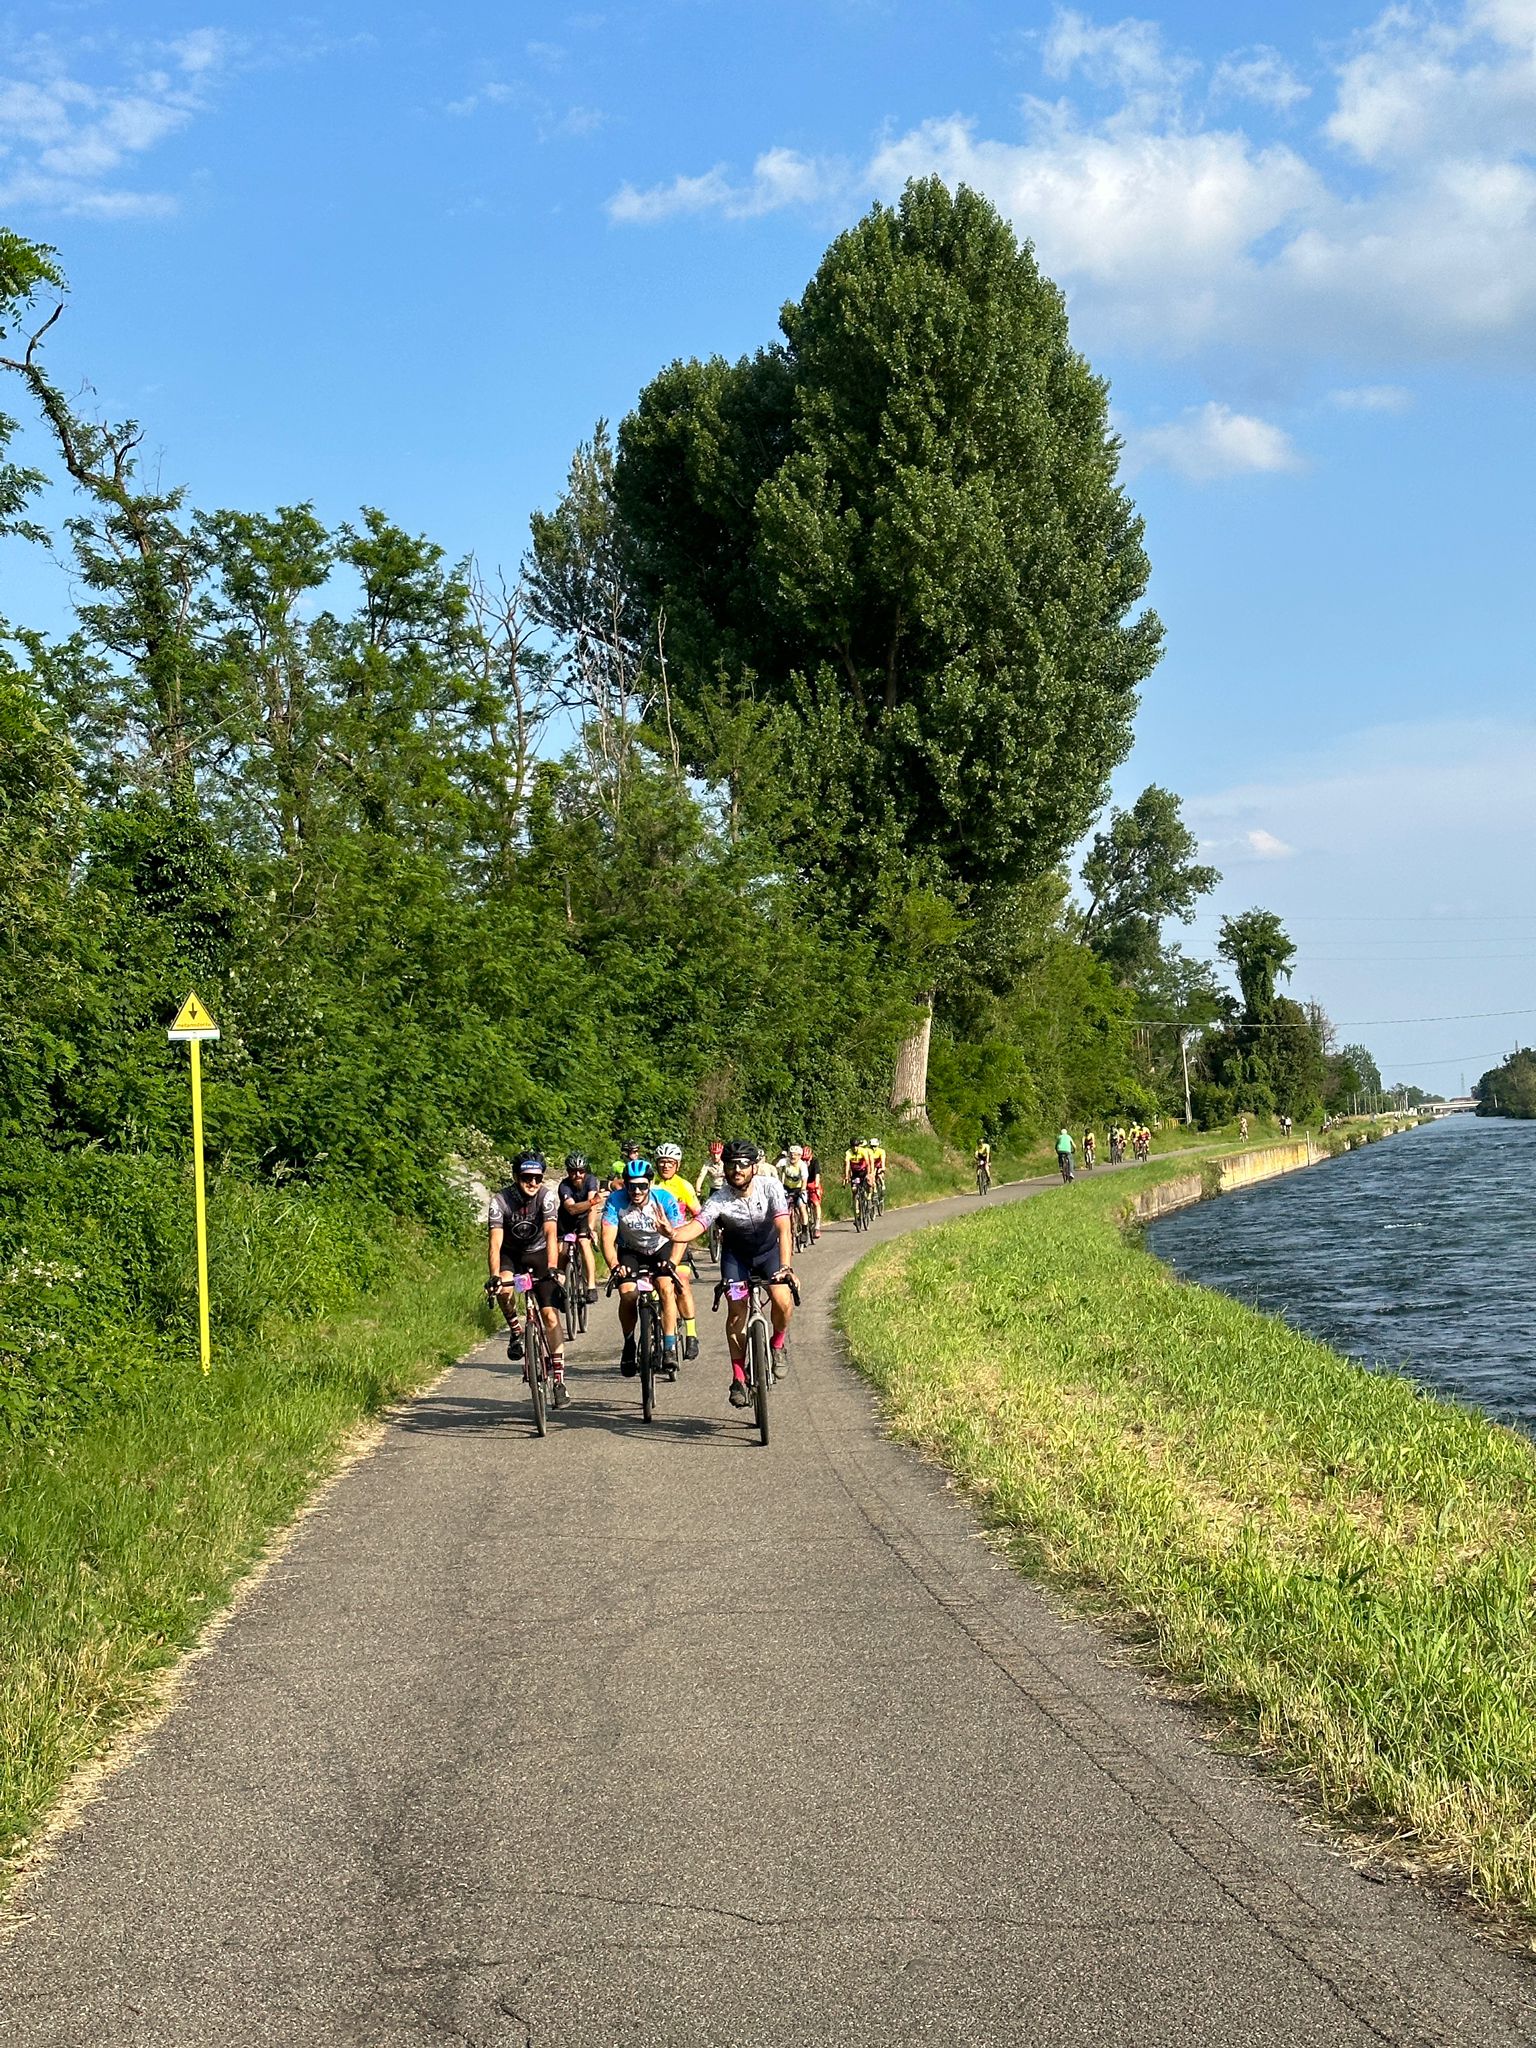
x=1419 y=1253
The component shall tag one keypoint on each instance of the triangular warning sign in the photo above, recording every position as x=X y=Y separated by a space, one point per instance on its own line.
x=193 y=1021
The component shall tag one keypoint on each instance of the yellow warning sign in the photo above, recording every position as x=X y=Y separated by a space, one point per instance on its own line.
x=193 y=1021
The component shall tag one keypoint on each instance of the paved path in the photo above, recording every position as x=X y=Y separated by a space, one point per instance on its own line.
x=655 y=1736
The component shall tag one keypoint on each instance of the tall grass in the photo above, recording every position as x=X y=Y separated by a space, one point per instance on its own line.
x=1341 y=1562
x=119 y=1537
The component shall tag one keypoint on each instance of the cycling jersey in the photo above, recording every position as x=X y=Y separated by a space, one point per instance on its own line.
x=748 y=1221
x=857 y=1165
x=794 y=1177
x=522 y=1219
x=640 y=1227
x=573 y=1198
x=682 y=1192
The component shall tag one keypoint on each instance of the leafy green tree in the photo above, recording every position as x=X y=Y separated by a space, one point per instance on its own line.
x=1510 y=1089
x=1140 y=871
x=903 y=525
x=1259 y=951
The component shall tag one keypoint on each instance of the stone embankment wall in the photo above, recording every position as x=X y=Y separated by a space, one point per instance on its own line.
x=1221 y=1176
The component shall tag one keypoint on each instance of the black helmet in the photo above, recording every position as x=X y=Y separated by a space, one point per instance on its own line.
x=739 y=1152
x=528 y=1164
x=575 y=1162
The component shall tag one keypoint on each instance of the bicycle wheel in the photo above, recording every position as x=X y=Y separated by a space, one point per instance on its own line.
x=535 y=1371
x=581 y=1305
x=574 y=1320
x=757 y=1366
x=647 y=1344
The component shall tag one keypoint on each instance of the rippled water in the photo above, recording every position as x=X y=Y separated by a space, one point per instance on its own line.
x=1419 y=1253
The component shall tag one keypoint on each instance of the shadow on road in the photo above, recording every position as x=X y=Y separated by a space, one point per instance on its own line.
x=481 y=1415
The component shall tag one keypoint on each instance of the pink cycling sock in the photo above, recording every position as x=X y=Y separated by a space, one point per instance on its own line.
x=738 y=1370
x=780 y=1339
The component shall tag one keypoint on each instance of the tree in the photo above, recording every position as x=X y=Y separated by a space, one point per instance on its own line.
x=1510 y=1089
x=1139 y=871
x=1259 y=952
x=903 y=525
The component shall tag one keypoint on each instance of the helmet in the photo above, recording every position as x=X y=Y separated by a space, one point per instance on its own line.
x=797 y=1150
x=575 y=1162
x=716 y=1147
x=637 y=1173
x=670 y=1154
x=616 y=1169
x=527 y=1164
x=739 y=1152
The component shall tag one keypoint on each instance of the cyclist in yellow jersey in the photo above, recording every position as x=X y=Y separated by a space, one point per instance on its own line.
x=876 y=1151
x=669 y=1163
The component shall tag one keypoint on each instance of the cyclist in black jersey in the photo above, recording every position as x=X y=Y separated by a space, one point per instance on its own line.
x=523 y=1240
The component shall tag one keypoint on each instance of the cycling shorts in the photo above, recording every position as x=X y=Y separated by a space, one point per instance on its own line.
x=644 y=1262
x=813 y=1189
x=737 y=1267
x=572 y=1228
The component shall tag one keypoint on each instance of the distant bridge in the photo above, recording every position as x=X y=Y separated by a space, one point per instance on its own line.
x=1459 y=1105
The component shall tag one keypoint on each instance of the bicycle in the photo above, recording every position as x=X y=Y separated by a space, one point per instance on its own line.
x=800 y=1214
x=863 y=1205
x=879 y=1194
x=650 y=1346
x=573 y=1272
x=983 y=1177
x=1064 y=1160
x=538 y=1360
x=757 y=1356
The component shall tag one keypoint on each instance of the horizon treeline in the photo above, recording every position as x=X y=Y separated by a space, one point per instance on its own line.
x=761 y=768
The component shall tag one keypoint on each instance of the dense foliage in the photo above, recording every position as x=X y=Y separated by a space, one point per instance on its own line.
x=1509 y=1090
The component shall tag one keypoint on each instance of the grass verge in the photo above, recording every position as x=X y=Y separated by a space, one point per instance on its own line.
x=118 y=1541
x=1340 y=1562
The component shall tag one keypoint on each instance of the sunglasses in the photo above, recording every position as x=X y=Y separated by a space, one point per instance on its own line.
x=530 y=1180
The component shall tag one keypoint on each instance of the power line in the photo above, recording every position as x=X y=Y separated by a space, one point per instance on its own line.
x=1339 y=1023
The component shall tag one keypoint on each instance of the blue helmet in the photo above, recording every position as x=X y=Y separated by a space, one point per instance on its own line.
x=638 y=1173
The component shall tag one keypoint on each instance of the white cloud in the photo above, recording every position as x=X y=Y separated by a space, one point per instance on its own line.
x=1210 y=443
x=1372 y=398
x=66 y=142
x=1265 y=846
x=1405 y=230
x=780 y=177
x=1260 y=74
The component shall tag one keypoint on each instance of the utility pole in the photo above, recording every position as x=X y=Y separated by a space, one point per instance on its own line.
x=1184 y=1057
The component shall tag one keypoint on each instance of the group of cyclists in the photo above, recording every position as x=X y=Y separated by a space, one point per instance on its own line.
x=1135 y=1138
x=644 y=1218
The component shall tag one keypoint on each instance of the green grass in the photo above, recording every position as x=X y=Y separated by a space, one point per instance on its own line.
x=119 y=1540
x=1341 y=1563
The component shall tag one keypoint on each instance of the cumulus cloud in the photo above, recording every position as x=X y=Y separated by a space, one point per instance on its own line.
x=68 y=143
x=1404 y=229
x=1211 y=442
x=780 y=177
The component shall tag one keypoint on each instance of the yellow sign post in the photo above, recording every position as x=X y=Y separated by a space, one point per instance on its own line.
x=193 y=1024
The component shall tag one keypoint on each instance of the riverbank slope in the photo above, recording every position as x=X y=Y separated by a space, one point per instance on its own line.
x=1339 y=1562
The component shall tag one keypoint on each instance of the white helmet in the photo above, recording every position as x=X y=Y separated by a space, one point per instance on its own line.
x=669 y=1155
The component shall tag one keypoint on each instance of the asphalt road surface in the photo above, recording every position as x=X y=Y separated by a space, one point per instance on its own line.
x=653 y=1735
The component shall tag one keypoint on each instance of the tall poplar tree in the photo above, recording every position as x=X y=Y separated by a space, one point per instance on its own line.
x=901 y=526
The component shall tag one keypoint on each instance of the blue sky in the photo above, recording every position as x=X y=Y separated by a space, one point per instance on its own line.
x=406 y=256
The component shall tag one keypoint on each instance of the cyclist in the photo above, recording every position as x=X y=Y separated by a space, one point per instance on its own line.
x=637 y=1238
x=1090 y=1147
x=858 y=1168
x=813 y=1190
x=795 y=1179
x=1064 y=1150
x=579 y=1194
x=711 y=1175
x=875 y=1147
x=669 y=1162
x=522 y=1240
x=754 y=1245
x=984 y=1161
